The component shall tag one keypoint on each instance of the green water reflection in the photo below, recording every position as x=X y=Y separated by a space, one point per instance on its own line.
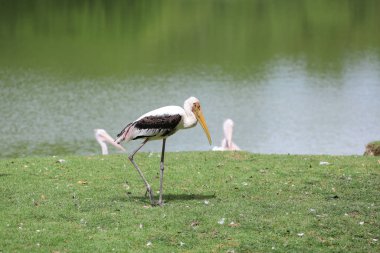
x=118 y=37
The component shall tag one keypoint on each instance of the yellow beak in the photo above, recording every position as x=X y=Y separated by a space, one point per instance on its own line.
x=201 y=119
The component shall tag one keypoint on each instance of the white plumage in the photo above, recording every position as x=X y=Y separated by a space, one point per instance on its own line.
x=227 y=143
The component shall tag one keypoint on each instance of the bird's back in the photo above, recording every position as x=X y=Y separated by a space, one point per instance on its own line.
x=166 y=110
x=156 y=124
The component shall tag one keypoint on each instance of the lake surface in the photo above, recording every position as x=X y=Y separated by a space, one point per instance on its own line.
x=298 y=77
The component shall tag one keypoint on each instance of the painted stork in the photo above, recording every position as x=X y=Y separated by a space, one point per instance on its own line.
x=103 y=138
x=159 y=124
x=227 y=143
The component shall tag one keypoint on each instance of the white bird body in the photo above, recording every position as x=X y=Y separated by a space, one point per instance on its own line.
x=232 y=146
x=160 y=124
x=227 y=143
x=188 y=119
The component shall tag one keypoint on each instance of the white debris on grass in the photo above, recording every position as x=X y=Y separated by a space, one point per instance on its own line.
x=324 y=163
x=149 y=243
x=206 y=202
x=361 y=223
x=181 y=244
x=221 y=221
x=234 y=224
x=83 y=221
x=300 y=234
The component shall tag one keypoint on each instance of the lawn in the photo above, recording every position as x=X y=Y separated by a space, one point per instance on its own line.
x=214 y=202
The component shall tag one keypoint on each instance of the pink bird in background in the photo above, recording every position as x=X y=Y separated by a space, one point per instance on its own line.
x=103 y=138
x=227 y=143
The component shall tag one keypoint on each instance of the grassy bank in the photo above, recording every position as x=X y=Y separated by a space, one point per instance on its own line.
x=215 y=202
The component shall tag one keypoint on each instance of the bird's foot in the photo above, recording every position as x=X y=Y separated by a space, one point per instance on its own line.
x=150 y=192
x=157 y=203
x=152 y=201
x=160 y=201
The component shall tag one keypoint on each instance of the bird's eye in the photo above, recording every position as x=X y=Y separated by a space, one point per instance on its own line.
x=196 y=105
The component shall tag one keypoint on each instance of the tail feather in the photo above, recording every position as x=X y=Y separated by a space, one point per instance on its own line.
x=123 y=134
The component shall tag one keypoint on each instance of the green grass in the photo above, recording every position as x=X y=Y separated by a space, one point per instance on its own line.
x=270 y=203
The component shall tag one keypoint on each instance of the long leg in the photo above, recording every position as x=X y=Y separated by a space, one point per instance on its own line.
x=148 y=188
x=162 y=171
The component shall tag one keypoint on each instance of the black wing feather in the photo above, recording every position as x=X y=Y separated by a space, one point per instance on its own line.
x=162 y=125
x=167 y=122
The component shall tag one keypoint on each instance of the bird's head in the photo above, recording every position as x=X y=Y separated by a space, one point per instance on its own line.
x=103 y=137
x=195 y=106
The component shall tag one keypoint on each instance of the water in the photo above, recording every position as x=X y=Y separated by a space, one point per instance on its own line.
x=301 y=77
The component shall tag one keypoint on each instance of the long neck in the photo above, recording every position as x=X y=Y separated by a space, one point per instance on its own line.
x=104 y=148
x=189 y=118
x=228 y=135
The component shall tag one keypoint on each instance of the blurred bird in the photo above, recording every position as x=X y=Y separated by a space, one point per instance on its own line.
x=103 y=138
x=159 y=124
x=227 y=143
